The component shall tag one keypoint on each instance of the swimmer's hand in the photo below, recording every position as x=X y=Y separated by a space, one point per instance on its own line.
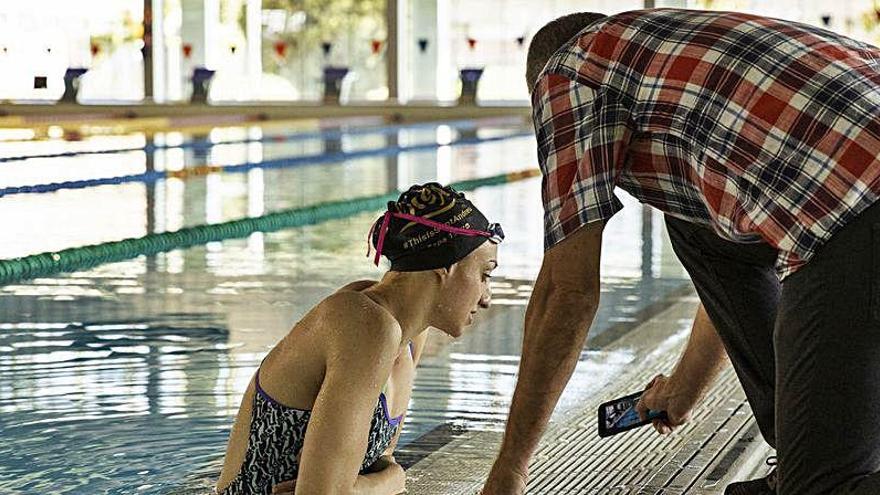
x=386 y=462
x=384 y=477
x=662 y=394
x=381 y=463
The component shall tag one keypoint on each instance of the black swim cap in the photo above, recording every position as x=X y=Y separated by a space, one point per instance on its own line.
x=430 y=226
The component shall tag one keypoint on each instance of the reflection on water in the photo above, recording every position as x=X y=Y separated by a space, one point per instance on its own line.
x=125 y=378
x=95 y=404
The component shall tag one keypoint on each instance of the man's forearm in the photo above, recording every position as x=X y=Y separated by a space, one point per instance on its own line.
x=703 y=358
x=556 y=326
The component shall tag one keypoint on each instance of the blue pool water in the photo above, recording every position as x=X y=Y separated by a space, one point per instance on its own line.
x=125 y=378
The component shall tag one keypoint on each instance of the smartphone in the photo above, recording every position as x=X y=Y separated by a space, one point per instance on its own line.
x=620 y=415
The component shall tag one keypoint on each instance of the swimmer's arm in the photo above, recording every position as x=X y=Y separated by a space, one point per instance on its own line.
x=385 y=461
x=559 y=315
x=419 y=346
x=389 y=452
x=336 y=438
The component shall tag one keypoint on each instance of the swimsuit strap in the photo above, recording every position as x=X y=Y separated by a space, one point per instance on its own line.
x=260 y=389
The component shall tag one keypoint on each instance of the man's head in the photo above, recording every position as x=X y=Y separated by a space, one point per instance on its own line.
x=551 y=37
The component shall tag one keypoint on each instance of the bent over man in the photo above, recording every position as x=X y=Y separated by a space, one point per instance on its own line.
x=759 y=139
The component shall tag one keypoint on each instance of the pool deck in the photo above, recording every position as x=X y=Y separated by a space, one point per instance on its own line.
x=720 y=444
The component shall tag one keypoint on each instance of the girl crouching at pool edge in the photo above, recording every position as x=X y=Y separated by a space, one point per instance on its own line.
x=324 y=410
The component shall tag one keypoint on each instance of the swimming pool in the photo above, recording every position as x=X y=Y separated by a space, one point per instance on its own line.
x=125 y=377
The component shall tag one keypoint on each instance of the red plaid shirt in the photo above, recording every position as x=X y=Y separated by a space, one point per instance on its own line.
x=765 y=130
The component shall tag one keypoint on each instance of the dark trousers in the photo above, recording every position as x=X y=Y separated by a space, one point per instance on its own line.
x=807 y=351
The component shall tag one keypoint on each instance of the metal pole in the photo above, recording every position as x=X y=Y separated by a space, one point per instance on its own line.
x=148 y=50
x=391 y=54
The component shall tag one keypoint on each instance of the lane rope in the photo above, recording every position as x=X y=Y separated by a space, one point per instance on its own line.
x=79 y=258
x=202 y=170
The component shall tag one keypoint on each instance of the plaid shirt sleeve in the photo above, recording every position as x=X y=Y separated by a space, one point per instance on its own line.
x=582 y=137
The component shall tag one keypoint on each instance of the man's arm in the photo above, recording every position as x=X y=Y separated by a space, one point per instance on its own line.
x=703 y=358
x=560 y=312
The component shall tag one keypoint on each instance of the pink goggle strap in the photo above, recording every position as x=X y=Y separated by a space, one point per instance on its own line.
x=442 y=226
x=370 y=238
x=382 y=231
x=424 y=221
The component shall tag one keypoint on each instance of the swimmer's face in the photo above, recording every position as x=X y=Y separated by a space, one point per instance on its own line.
x=466 y=290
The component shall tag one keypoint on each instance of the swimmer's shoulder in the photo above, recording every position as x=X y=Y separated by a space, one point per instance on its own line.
x=354 y=319
x=358 y=285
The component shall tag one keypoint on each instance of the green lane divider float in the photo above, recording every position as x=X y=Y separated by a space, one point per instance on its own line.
x=80 y=258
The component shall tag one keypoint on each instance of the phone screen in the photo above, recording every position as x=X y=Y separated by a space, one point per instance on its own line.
x=620 y=415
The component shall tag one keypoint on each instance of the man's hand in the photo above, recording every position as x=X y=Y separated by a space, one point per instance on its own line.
x=703 y=358
x=662 y=394
x=504 y=480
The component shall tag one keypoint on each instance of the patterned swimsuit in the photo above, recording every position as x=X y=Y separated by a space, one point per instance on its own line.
x=277 y=434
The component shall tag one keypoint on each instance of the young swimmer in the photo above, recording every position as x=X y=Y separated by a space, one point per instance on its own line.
x=323 y=412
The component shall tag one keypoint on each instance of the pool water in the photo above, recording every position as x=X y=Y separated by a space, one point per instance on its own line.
x=125 y=378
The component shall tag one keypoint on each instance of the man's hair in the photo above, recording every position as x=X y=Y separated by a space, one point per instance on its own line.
x=550 y=38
